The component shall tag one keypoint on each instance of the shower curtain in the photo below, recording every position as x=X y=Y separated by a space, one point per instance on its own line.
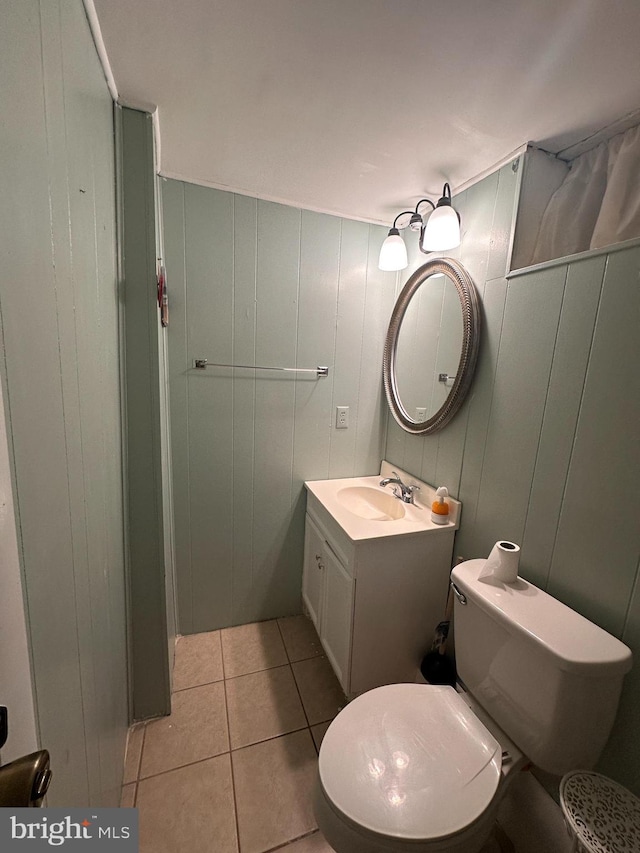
x=598 y=202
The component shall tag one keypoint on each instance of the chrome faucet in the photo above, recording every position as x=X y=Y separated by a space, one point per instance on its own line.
x=400 y=490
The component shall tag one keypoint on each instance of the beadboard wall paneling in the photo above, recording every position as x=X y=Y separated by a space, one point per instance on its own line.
x=597 y=545
x=561 y=456
x=152 y=636
x=60 y=371
x=486 y=211
x=545 y=451
x=542 y=451
x=562 y=407
x=253 y=282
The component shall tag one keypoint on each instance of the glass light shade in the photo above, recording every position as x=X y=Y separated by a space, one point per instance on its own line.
x=393 y=254
x=442 y=230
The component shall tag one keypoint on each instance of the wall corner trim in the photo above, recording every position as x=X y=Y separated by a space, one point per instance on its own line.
x=96 y=33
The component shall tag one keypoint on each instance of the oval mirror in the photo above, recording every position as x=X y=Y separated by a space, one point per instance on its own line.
x=431 y=348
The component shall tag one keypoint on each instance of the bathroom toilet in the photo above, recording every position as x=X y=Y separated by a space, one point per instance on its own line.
x=422 y=768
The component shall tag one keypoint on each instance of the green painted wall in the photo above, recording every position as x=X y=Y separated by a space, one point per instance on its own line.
x=253 y=282
x=60 y=368
x=542 y=452
x=486 y=210
x=545 y=452
x=150 y=563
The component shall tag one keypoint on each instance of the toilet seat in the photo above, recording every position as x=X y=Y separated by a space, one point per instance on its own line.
x=410 y=762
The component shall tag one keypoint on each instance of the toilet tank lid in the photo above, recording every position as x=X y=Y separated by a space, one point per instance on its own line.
x=575 y=643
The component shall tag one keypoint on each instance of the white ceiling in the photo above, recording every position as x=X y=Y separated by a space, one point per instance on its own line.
x=361 y=107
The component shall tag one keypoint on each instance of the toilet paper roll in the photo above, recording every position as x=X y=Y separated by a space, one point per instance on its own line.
x=502 y=563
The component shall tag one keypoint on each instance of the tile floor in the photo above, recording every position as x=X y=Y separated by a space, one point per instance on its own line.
x=232 y=769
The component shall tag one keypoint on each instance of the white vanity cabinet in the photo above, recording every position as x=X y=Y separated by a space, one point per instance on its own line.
x=375 y=600
x=327 y=591
x=313 y=571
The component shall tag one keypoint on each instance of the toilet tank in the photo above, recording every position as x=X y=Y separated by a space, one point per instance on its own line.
x=550 y=678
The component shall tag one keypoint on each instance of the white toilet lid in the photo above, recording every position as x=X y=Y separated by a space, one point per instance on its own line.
x=410 y=761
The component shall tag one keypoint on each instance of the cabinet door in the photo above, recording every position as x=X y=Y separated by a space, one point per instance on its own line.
x=313 y=572
x=337 y=616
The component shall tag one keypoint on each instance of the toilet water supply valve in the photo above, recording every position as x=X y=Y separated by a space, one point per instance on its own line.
x=436 y=667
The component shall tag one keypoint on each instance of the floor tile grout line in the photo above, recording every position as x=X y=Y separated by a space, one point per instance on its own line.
x=230 y=750
x=224 y=668
x=194 y=686
x=286 y=648
x=304 y=710
x=282 y=734
x=235 y=804
x=233 y=778
x=183 y=766
x=257 y=671
x=289 y=841
x=139 y=770
x=253 y=671
x=225 y=675
x=314 y=657
x=319 y=653
x=297 y=728
x=292 y=841
x=242 y=674
x=267 y=668
x=284 y=642
x=305 y=728
x=226 y=752
x=267 y=739
x=226 y=714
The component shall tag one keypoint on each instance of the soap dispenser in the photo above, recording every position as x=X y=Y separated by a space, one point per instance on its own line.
x=440 y=507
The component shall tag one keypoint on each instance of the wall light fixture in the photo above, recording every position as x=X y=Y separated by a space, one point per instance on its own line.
x=439 y=231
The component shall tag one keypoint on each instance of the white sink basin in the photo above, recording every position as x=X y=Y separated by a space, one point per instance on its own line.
x=371 y=504
x=365 y=510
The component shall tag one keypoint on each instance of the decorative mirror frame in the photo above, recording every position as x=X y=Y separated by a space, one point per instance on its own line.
x=470 y=345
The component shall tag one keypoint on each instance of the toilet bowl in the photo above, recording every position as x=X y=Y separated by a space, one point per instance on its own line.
x=419 y=768
x=411 y=767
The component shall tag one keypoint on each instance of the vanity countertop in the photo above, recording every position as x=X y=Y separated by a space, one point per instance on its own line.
x=365 y=510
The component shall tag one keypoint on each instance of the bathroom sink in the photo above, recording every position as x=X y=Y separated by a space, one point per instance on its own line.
x=371 y=504
x=365 y=510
